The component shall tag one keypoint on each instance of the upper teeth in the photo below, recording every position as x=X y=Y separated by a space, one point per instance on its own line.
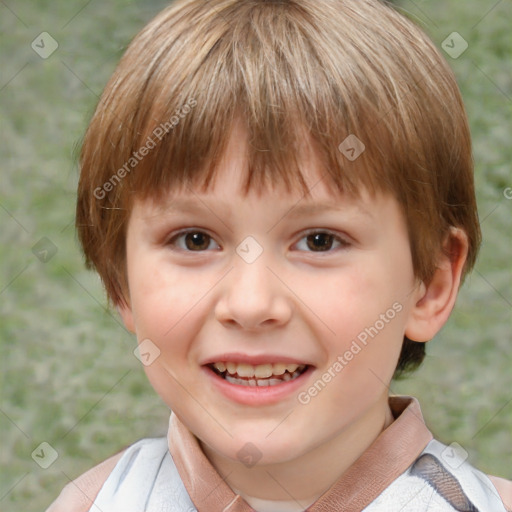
x=260 y=371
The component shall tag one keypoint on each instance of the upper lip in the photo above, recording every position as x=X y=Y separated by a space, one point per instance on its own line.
x=254 y=360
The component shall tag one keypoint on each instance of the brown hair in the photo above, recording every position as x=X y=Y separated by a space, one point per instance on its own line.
x=331 y=68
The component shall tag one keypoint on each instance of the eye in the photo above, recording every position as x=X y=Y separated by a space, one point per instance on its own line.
x=322 y=241
x=199 y=241
x=192 y=241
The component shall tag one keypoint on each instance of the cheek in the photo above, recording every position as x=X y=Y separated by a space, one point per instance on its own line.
x=350 y=300
x=170 y=304
x=158 y=295
x=363 y=310
x=165 y=310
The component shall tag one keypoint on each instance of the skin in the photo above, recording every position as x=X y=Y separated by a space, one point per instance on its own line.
x=293 y=299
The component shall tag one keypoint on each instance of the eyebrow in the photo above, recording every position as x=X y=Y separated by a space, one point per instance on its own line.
x=312 y=208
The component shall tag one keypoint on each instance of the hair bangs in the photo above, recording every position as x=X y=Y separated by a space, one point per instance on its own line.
x=259 y=72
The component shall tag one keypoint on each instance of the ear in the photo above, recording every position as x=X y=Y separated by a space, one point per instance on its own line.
x=125 y=312
x=436 y=299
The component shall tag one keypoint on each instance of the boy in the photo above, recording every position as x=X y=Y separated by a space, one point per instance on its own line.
x=278 y=196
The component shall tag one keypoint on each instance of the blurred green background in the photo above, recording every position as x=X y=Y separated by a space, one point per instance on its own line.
x=68 y=373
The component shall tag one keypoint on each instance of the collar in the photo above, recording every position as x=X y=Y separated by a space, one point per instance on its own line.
x=392 y=452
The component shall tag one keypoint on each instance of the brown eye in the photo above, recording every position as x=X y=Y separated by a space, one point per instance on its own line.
x=198 y=241
x=321 y=241
x=192 y=241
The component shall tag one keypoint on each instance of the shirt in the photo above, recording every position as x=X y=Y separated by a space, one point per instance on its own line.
x=403 y=469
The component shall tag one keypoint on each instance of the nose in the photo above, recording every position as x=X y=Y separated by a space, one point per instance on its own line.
x=253 y=297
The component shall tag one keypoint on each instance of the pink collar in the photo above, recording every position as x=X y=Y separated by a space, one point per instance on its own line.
x=394 y=450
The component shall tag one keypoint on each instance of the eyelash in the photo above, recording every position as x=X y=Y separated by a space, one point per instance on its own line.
x=343 y=243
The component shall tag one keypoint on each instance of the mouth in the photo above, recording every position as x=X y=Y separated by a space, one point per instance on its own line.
x=262 y=375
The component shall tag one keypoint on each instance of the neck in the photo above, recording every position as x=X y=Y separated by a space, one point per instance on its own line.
x=297 y=483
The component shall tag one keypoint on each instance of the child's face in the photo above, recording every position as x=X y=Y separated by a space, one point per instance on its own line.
x=212 y=298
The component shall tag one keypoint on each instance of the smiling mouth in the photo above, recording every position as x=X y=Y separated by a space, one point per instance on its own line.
x=244 y=374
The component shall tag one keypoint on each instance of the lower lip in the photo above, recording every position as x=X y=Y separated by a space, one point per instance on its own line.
x=257 y=395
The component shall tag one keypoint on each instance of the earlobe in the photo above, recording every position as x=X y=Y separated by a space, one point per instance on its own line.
x=436 y=299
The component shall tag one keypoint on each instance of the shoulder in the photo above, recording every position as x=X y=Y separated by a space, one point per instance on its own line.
x=446 y=469
x=504 y=488
x=79 y=494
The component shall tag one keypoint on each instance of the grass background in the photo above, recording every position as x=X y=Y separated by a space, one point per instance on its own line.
x=68 y=374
